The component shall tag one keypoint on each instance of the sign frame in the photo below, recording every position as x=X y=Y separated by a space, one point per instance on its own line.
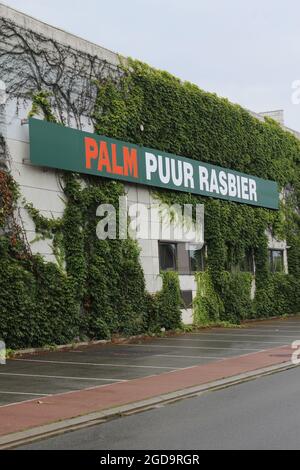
x=58 y=147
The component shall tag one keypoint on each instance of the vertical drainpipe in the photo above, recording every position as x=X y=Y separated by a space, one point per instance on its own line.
x=285 y=260
x=3 y=126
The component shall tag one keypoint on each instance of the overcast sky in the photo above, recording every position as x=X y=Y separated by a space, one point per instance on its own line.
x=246 y=51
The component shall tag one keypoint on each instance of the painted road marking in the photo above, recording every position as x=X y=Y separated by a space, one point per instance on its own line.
x=93 y=364
x=61 y=377
x=221 y=358
x=284 y=323
x=251 y=330
x=190 y=357
x=17 y=403
x=186 y=347
x=219 y=340
x=70 y=392
x=25 y=393
x=243 y=335
x=274 y=330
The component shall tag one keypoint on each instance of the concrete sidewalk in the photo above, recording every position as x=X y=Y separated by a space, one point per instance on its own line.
x=15 y=418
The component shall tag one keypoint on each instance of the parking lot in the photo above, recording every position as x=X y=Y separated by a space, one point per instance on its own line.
x=50 y=373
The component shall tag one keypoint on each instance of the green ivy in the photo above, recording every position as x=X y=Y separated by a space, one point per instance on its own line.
x=152 y=108
x=97 y=287
x=208 y=306
x=236 y=297
x=41 y=106
x=169 y=302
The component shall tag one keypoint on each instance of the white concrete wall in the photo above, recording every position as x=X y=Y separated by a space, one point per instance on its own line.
x=149 y=247
x=39 y=186
x=63 y=37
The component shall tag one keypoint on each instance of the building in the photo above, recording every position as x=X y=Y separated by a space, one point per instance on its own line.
x=40 y=186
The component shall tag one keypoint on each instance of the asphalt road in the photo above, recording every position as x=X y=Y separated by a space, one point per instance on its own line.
x=38 y=376
x=261 y=414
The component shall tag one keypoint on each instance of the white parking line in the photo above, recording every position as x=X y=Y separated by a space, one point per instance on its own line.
x=61 y=377
x=251 y=330
x=129 y=366
x=221 y=358
x=25 y=393
x=190 y=357
x=284 y=323
x=31 y=400
x=186 y=347
x=243 y=335
x=20 y=403
x=274 y=327
x=218 y=340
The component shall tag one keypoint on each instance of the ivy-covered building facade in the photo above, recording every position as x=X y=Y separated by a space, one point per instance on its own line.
x=59 y=283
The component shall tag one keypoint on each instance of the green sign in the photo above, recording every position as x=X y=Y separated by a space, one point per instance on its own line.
x=54 y=146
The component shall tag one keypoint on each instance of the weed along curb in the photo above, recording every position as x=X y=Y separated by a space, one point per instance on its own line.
x=93 y=419
x=68 y=347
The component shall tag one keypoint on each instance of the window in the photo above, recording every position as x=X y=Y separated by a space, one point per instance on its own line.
x=276 y=261
x=197 y=260
x=247 y=263
x=184 y=258
x=187 y=298
x=168 y=256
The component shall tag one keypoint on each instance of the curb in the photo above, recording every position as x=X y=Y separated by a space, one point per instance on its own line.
x=51 y=430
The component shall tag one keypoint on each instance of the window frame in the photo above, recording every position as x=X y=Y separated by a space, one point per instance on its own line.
x=183 y=259
x=271 y=260
x=203 y=250
x=249 y=257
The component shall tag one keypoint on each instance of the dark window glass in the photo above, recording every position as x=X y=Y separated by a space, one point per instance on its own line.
x=183 y=259
x=276 y=261
x=244 y=265
x=247 y=263
x=187 y=298
x=167 y=256
x=197 y=260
